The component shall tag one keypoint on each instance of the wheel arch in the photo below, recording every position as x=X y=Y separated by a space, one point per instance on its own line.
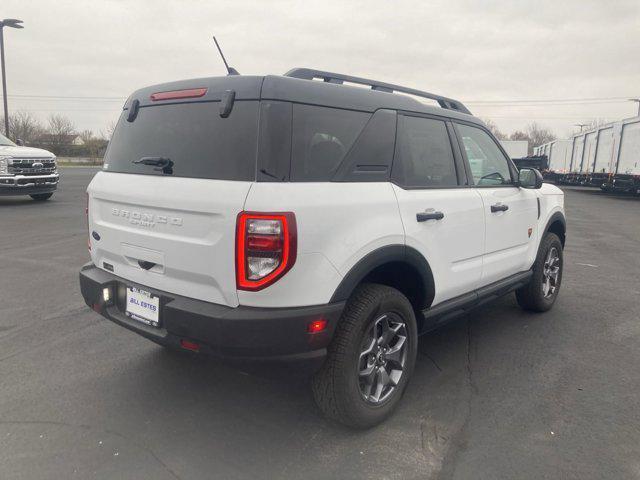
x=557 y=224
x=397 y=266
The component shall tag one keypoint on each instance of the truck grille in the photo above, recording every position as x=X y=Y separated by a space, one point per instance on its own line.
x=31 y=166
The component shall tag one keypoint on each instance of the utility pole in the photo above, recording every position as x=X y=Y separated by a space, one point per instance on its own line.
x=581 y=125
x=637 y=100
x=13 y=23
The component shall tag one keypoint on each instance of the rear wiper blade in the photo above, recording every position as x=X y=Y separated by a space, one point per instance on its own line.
x=163 y=164
x=265 y=172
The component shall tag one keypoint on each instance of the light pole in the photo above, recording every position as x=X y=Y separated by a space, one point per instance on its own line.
x=637 y=100
x=581 y=125
x=13 y=23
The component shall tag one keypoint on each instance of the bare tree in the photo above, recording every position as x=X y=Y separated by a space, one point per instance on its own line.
x=24 y=126
x=493 y=128
x=94 y=145
x=520 y=135
x=86 y=136
x=539 y=135
x=595 y=123
x=60 y=128
x=111 y=126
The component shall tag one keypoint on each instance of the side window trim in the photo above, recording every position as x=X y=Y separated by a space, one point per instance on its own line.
x=463 y=153
x=461 y=169
x=512 y=168
x=457 y=160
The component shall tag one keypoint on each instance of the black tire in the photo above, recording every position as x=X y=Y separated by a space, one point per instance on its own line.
x=41 y=197
x=337 y=386
x=533 y=297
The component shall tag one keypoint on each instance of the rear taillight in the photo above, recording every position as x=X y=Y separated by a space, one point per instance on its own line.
x=266 y=245
x=86 y=216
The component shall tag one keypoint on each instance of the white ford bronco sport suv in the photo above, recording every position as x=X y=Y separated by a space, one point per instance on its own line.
x=27 y=171
x=288 y=219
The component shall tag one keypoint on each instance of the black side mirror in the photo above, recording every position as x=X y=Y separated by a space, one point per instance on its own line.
x=530 y=178
x=20 y=142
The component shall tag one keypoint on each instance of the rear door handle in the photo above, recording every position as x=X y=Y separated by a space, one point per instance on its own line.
x=424 y=216
x=498 y=207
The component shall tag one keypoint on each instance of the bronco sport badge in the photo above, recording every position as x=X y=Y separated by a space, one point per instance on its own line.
x=146 y=219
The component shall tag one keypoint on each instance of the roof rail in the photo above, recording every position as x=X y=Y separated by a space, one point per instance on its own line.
x=310 y=74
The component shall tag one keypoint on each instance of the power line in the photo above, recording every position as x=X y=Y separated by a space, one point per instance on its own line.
x=67 y=97
x=533 y=104
x=32 y=110
x=555 y=100
x=537 y=117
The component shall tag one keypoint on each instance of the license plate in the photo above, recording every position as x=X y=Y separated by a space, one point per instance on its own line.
x=143 y=306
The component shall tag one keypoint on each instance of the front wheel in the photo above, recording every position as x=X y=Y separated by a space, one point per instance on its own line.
x=41 y=197
x=541 y=292
x=370 y=359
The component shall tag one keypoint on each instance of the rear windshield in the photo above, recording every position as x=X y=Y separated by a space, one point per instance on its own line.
x=199 y=142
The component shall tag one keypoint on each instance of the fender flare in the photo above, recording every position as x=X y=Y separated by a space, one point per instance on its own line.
x=557 y=217
x=381 y=256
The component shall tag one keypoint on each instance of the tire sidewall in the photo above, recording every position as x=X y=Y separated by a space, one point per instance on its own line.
x=369 y=414
x=550 y=241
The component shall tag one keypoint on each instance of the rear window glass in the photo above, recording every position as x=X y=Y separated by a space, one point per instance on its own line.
x=199 y=142
x=321 y=138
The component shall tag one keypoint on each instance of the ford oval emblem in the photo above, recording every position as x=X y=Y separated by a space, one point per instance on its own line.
x=95 y=235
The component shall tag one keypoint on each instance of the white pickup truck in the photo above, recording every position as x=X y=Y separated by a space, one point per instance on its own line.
x=27 y=171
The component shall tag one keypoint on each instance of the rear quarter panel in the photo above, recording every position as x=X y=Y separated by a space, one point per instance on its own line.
x=338 y=224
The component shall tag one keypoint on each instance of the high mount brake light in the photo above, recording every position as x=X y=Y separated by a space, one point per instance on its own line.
x=178 y=94
x=266 y=246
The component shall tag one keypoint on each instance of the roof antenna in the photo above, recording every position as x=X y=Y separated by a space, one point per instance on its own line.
x=230 y=70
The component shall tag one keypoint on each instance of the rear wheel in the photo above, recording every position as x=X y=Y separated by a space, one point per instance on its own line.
x=41 y=197
x=543 y=288
x=370 y=359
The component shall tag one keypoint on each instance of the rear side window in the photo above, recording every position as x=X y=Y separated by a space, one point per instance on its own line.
x=321 y=138
x=488 y=164
x=423 y=157
x=199 y=142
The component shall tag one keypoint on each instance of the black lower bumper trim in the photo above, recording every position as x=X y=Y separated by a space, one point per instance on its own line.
x=241 y=333
x=16 y=191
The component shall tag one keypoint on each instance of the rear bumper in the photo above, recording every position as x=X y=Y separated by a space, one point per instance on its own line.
x=28 y=184
x=241 y=333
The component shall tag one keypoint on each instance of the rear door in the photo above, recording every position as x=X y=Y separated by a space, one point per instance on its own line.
x=172 y=227
x=443 y=219
x=511 y=212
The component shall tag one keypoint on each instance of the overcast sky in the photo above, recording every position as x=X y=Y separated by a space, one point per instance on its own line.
x=475 y=51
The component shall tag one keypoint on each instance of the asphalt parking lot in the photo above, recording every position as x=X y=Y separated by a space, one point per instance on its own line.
x=499 y=394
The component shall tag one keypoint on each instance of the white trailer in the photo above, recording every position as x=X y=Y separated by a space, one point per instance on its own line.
x=607 y=156
x=589 y=155
x=576 y=156
x=560 y=156
x=629 y=156
x=515 y=148
x=605 y=160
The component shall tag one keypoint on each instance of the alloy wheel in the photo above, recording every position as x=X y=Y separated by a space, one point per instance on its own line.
x=551 y=273
x=382 y=359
